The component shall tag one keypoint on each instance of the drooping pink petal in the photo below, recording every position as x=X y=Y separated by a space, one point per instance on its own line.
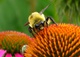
x=8 y=55
x=18 y=55
x=2 y=52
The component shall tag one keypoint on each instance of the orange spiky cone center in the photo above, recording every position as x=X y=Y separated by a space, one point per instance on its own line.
x=62 y=40
x=13 y=41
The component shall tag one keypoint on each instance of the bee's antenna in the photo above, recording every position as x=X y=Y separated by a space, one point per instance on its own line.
x=44 y=9
x=26 y=23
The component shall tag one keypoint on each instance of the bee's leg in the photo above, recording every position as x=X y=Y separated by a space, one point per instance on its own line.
x=31 y=31
x=41 y=24
x=50 y=18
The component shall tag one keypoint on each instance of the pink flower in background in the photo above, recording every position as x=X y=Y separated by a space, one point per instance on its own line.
x=2 y=52
x=18 y=55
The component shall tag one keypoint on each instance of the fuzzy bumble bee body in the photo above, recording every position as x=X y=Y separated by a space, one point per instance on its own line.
x=37 y=21
x=35 y=18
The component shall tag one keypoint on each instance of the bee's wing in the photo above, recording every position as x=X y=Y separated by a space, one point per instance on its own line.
x=27 y=23
x=41 y=12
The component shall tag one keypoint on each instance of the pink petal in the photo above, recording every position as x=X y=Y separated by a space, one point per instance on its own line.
x=18 y=55
x=8 y=55
x=2 y=52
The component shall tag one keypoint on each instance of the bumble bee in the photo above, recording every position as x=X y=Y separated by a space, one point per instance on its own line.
x=37 y=21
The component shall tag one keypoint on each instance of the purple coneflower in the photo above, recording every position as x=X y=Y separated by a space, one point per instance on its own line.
x=62 y=40
x=11 y=43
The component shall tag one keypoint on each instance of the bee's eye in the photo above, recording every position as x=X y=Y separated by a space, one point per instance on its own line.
x=37 y=26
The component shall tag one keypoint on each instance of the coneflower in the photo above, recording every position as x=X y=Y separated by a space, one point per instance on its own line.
x=62 y=40
x=11 y=43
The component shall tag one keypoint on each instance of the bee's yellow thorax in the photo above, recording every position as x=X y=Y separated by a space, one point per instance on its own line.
x=35 y=18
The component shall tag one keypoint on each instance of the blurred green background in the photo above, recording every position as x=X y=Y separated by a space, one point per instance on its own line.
x=14 y=13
